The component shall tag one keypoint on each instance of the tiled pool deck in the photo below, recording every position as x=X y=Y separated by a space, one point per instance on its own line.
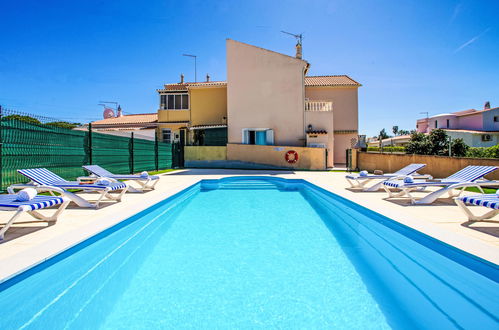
x=29 y=243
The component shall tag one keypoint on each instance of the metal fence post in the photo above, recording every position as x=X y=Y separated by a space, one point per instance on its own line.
x=90 y=161
x=1 y=149
x=156 y=152
x=131 y=155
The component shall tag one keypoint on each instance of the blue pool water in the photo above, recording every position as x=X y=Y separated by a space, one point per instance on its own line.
x=255 y=254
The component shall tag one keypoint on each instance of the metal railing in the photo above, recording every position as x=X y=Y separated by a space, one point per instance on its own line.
x=318 y=106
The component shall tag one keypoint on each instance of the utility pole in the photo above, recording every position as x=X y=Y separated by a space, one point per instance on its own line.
x=195 y=66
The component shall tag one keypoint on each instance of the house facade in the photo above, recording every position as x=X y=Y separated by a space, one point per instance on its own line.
x=478 y=128
x=267 y=100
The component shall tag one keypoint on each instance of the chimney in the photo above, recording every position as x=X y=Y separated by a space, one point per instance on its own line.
x=486 y=106
x=298 y=50
x=207 y=78
x=181 y=78
x=120 y=114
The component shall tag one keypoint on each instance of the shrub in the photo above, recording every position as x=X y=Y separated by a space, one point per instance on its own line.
x=459 y=148
x=387 y=149
x=478 y=152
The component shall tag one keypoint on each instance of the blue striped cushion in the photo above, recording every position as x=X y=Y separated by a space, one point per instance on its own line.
x=99 y=171
x=487 y=200
x=409 y=169
x=48 y=178
x=470 y=173
x=74 y=185
x=416 y=183
x=41 y=175
x=132 y=177
x=39 y=202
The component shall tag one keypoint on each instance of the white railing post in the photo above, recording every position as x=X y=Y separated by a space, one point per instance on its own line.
x=318 y=106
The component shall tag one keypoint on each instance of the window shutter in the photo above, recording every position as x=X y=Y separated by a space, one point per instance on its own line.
x=270 y=137
x=245 y=136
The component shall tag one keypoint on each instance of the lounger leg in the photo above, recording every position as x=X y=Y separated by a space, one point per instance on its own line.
x=353 y=184
x=117 y=198
x=55 y=216
x=430 y=198
x=401 y=193
x=154 y=182
x=9 y=223
x=79 y=200
x=473 y=217
x=375 y=187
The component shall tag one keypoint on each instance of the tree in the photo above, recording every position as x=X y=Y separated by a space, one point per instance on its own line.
x=63 y=124
x=395 y=130
x=403 y=132
x=459 y=148
x=27 y=119
x=418 y=144
x=383 y=135
x=439 y=142
x=435 y=143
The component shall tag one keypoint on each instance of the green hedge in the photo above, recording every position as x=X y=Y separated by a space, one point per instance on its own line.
x=387 y=149
x=478 y=152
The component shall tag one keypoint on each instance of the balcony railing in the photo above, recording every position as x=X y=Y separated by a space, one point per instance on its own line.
x=318 y=106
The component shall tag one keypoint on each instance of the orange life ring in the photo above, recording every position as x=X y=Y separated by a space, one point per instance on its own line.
x=291 y=156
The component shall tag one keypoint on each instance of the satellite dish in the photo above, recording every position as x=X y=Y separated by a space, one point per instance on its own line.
x=108 y=113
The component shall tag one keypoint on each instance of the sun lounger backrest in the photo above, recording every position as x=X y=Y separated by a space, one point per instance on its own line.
x=41 y=176
x=409 y=169
x=470 y=173
x=97 y=170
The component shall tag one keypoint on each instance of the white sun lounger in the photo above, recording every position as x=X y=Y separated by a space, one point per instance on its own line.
x=486 y=200
x=9 y=203
x=45 y=180
x=147 y=183
x=467 y=177
x=360 y=181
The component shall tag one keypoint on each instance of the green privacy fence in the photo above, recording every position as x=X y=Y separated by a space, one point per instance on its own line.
x=28 y=141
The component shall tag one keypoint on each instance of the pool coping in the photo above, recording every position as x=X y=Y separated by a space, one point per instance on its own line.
x=37 y=254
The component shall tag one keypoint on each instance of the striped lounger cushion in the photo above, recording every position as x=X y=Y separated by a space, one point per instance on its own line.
x=39 y=202
x=401 y=183
x=74 y=185
x=487 y=200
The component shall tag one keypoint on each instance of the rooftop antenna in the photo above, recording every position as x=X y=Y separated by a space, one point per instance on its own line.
x=195 y=68
x=299 y=39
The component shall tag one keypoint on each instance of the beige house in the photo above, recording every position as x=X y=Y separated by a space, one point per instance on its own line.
x=271 y=101
x=267 y=100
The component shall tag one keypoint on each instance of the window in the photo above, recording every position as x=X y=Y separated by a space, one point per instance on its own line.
x=166 y=135
x=436 y=124
x=258 y=136
x=448 y=123
x=177 y=101
x=496 y=119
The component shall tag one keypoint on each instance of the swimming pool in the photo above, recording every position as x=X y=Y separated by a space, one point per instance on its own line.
x=255 y=252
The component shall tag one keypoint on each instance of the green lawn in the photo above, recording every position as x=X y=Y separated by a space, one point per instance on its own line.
x=162 y=171
x=486 y=190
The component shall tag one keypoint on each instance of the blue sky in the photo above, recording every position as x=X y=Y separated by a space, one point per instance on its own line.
x=60 y=58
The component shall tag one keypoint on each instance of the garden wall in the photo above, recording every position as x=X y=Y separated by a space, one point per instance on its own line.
x=437 y=166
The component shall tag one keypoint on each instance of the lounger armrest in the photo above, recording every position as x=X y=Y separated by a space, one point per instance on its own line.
x=42 y=188
x=95 y=178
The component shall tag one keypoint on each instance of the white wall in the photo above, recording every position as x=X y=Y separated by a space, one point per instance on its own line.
x=265 y=90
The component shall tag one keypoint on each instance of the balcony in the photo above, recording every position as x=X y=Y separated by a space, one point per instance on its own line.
x=318 y=106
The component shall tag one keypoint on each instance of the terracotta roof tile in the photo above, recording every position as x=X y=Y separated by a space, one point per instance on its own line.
x=338 y=80
x=334 y=80
x=129 y=119
x=185 y=86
